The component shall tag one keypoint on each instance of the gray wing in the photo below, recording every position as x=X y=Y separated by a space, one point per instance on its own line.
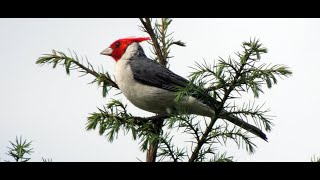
x=149 y=72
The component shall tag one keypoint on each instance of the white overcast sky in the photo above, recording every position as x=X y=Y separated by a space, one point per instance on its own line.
x=50 y=108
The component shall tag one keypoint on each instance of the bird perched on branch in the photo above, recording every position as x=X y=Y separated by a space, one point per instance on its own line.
x=152 y=87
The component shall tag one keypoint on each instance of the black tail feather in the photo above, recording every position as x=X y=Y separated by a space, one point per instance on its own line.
x=239 y=122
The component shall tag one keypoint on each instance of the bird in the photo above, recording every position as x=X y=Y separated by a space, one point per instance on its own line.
x=152 y=87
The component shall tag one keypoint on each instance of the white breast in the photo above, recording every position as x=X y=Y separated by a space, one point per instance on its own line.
x=146 y=97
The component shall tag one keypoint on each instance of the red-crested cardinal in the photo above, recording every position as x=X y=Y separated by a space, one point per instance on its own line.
x=151 y=87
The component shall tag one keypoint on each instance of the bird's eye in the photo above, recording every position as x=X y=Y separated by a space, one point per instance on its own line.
x=117 y=44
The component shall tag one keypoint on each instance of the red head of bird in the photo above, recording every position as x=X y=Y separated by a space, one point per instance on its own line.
x=118 y=47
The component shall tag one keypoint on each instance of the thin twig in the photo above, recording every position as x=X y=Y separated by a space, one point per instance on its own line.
x=94 y=73
x=171 y=153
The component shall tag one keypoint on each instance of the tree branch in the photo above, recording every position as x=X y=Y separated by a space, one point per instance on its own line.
x=94 y=73
x=219 y=109
x=194 y=131
x=171 y=153
x=148 y=27
x=59 y=57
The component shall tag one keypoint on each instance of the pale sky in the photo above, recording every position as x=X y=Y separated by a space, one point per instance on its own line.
x=47 y=106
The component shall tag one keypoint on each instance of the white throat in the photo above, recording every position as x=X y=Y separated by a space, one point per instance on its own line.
x=130 y=51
